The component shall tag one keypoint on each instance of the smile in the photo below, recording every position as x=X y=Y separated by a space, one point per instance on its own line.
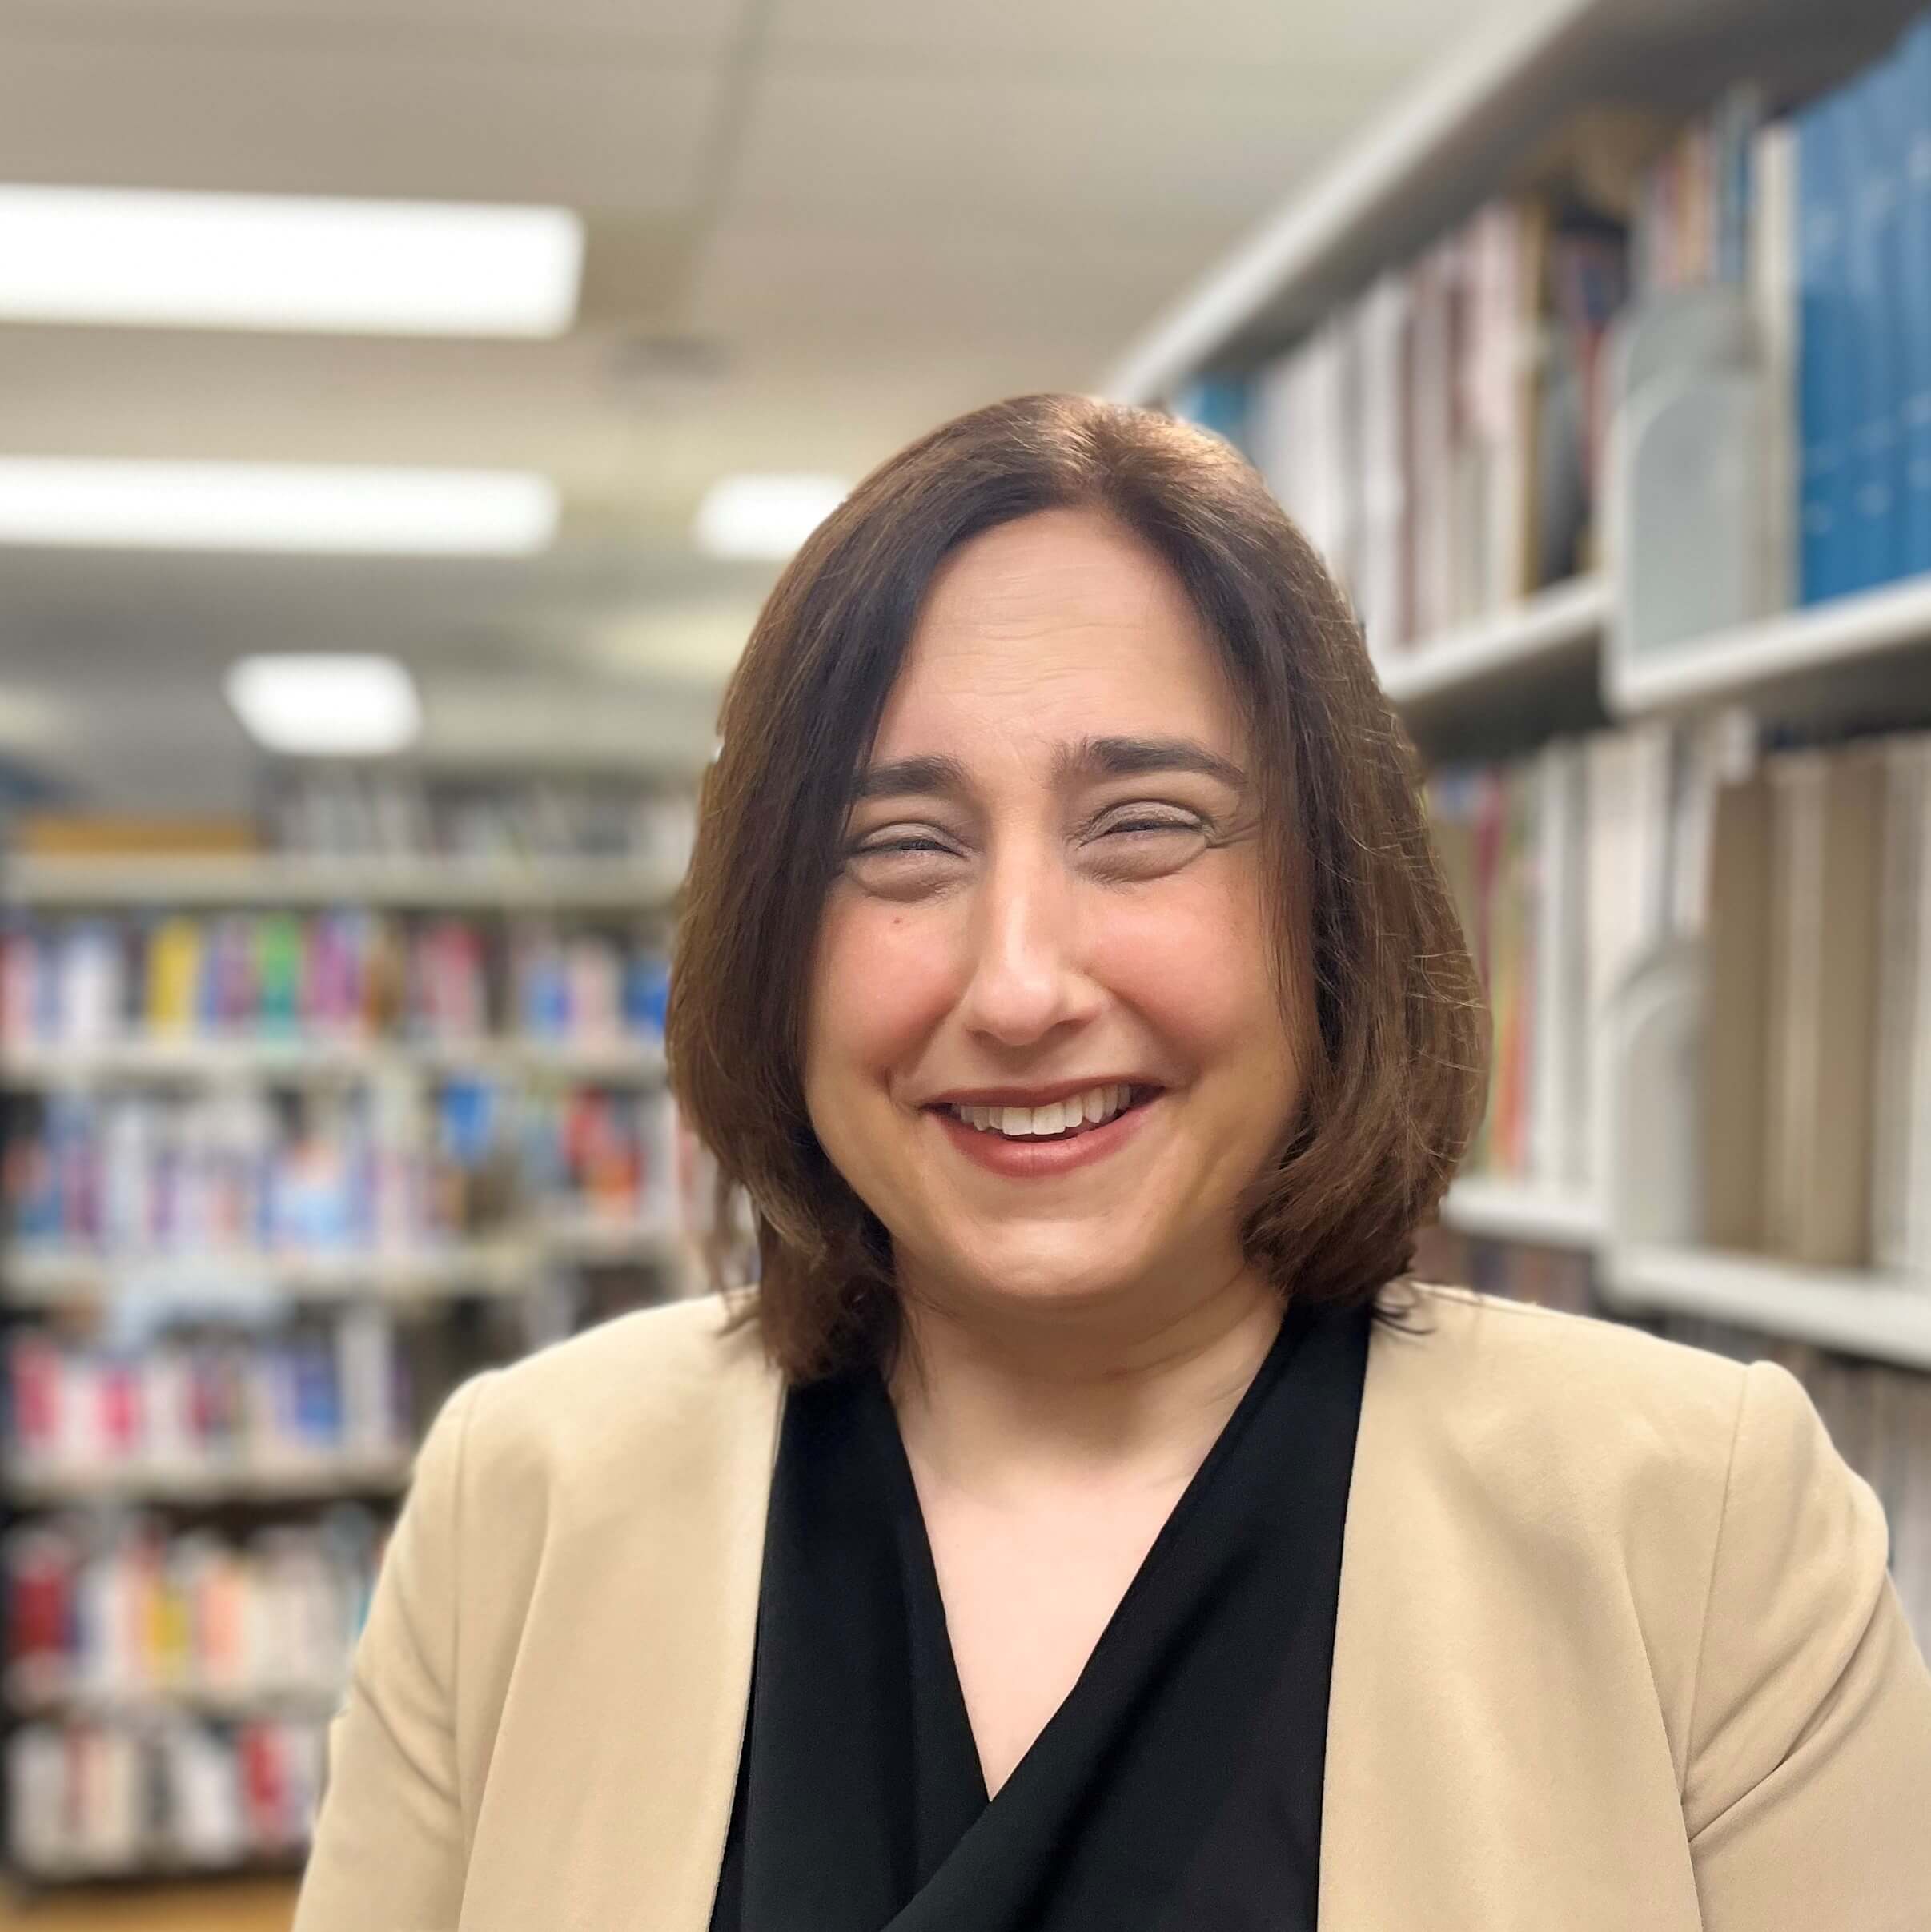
x=1055 y=1138
x=1057 y=1119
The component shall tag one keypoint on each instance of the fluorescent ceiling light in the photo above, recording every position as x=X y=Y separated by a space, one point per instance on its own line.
x=326 y=706
x=765 y=517
x=283 y=262
x=115 y=504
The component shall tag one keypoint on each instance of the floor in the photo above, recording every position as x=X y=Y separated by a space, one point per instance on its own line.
x=262 y=1906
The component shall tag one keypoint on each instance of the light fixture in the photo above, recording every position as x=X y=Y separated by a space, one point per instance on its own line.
x=147 y=257
x=137 y=504
x=764 y=518
x=326 y=705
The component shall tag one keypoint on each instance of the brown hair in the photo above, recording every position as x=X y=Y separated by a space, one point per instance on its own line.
x=1396 y=1047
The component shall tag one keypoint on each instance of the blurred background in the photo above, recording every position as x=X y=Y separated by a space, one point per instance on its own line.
x=404 y=409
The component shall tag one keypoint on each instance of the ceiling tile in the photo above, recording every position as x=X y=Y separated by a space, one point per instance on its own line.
x=1097 y=34
x=950 y=157
x=695 y=25
x=588 y=132
x=790 y=288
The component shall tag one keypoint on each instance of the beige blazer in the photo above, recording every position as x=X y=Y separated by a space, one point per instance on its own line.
x=1616 y=1651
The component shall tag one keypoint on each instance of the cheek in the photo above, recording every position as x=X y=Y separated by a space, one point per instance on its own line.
x=880 y=979
x=1194 y=959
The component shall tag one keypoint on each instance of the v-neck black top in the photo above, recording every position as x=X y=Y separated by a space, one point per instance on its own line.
x=1177 y=1788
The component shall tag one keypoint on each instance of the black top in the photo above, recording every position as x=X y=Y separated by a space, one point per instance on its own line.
x=1179 y=1786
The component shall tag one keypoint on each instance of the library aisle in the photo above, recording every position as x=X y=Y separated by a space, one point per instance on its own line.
x=385 y=498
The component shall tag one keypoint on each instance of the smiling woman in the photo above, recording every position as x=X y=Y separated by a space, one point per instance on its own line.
x=1055 y=763
x=1083 y=1521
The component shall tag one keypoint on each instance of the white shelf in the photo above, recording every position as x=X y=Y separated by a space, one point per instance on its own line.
x=1885 y=1317
x=1463 y=134
x=49 y=1276
x=1801 y=659
x=56 y=1693
x=202 y=1482
x=630 y=1062
x=590 y=1238
x=1511 y=1210
x=271 y=880
x=1518 y=656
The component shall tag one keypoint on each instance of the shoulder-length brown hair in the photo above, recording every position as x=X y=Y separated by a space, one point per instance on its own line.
x=1369 y=957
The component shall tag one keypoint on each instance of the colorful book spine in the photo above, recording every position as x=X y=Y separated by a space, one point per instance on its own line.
x=1824 y=400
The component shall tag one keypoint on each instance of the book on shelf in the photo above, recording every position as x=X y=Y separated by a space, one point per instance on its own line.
x=189 y=1405
x=99 y=1799
x=1560 y=866
x=1435 y=439
x=1823 y=212
x=344 y=977
x=136 y=1613
x=1826 y=821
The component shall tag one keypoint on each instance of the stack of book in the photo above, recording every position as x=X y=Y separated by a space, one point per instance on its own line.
x=88 y=1799
x=1437 y=441
x=202 y=1406
x=1819 y=1080
x=133 y=1613
x=344 y=813
x=1824 y=213
x=1568 y=867
x=383 y=1168
x=331 y=978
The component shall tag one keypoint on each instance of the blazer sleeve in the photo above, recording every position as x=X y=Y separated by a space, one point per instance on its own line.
x=389 y=1847
x=1809 y=1755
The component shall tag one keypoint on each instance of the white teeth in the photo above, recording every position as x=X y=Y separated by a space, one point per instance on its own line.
x=1076 y=1112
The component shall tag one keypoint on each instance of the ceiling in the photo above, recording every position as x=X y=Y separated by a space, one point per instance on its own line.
x=815 y=228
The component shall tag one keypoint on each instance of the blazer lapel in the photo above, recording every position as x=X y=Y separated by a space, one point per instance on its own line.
x=615 y=1758
x=700 y=1680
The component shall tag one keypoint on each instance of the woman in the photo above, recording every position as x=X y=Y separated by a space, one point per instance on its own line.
x=1084 y=1526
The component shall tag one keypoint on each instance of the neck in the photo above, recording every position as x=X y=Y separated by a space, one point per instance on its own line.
x=992 y=1403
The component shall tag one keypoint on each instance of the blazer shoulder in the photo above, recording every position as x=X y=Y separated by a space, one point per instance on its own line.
x=619 y=1411
x=1597 y=1399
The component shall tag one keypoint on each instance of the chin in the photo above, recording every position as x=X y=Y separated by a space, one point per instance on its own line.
x=1068 y=1273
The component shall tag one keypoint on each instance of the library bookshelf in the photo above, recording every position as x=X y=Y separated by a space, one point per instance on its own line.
x=1560 y=657
x=321 y=1354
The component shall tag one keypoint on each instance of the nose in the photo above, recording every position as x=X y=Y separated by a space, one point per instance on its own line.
x=1026 y=975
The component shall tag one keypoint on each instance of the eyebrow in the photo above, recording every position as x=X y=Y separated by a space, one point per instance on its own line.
x=938 y=773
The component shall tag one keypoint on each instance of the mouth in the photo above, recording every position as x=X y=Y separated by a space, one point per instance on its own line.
x=1068 y=1117
x=1022 y=1139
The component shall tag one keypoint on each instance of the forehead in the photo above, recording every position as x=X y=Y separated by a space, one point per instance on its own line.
x=1058 y=624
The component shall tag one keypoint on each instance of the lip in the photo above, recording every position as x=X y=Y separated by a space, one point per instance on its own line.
x=1028 y=1160
x=1036 y=1096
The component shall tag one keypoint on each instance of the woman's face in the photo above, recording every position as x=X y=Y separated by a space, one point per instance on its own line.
x=1050 y=899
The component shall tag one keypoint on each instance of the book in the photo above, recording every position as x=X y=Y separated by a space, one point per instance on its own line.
x=1826 y=830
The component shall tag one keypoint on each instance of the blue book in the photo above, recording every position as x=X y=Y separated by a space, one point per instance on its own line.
x=1873 y=156
x=1218 y=402
x=1913 y=295
x=1824 y=408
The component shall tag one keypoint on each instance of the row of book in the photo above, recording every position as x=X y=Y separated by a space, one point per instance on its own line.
x=1804 y=875
x=1564 y=868
x=1440 y=439
x=382 y=1167
x=1862 y=169
x=1437 y=439
x=1819 y=1076
x=1878 y=1416
x=89 y=1799
x=187 y=1404
x=345 y=811
x=339 y=976
x=1823 y=215
x=128 y=1612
